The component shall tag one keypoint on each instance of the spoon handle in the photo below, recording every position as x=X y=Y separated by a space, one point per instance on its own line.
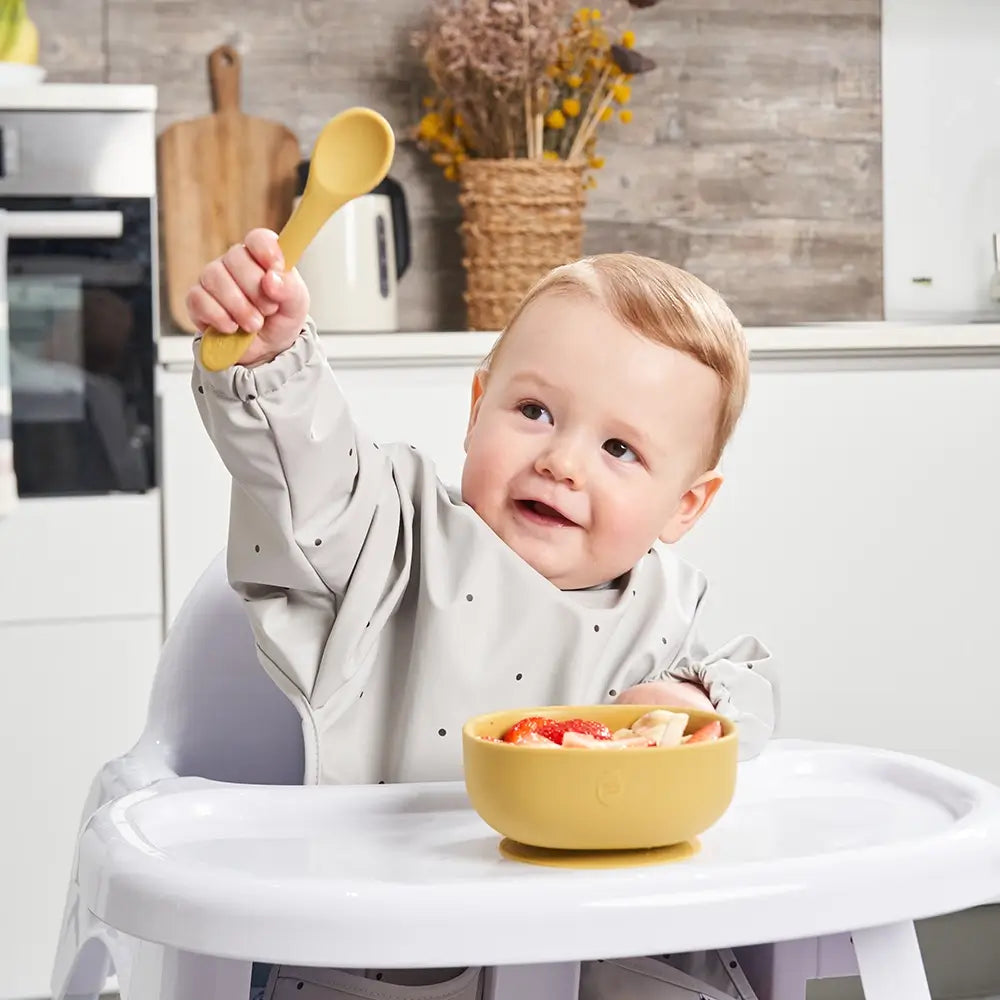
x=305 y=222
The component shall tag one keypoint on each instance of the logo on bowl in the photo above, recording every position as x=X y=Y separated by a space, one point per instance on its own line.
x=610 y=788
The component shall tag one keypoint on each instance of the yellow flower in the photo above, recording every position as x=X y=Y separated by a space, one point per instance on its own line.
x=430 y=125
x=597 y=62
x=628 y=39
x=552 y=72
x=597 y=162
x=575 y=81
x=607 y=114
x=625 y=115
x=595 y=14
x=583 y=14
x=571 y=107
x=550 y=154
x=621 y=92
x=450 y=172
x=555 y=119
x=598 y=40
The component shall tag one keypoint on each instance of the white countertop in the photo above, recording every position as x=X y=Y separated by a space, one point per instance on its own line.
x=848 y=340
x=79 y=97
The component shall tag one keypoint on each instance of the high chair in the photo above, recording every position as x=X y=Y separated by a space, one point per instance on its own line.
x=213 y=713
x=177 y=885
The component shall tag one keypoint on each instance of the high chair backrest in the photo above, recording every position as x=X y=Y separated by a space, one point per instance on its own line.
x=213 y=711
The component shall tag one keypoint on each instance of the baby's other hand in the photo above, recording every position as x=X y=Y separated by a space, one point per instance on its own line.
x=669 y=694
x=248 y=289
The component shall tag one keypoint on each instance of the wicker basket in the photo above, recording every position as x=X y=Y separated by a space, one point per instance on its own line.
x=520 y=219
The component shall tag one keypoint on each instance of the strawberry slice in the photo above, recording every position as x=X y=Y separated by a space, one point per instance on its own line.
x=525 y=727
x=588 y=728
x=552 y=730
x=710 y=731
x=555 y=731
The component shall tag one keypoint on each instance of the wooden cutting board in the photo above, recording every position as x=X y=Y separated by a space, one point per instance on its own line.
x=219 y=176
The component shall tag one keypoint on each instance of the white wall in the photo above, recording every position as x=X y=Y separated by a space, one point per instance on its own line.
x=941 y=154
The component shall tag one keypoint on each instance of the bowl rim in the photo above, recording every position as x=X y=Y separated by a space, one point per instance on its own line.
x=730 y=736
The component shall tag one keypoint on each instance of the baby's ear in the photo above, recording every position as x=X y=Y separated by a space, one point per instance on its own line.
x=692 y=505
x=478 y=388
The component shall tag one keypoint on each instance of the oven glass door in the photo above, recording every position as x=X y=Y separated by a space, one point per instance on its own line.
x=80 y=293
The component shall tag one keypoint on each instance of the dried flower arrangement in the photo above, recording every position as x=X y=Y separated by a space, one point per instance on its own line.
x=525 y=79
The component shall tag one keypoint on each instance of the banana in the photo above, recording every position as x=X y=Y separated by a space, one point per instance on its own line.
x=6 y=28
x=18 y=34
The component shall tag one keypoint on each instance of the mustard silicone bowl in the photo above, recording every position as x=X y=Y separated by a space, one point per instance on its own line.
x=598 y=799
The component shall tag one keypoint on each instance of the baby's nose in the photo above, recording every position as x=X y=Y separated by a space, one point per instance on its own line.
x=563 y=463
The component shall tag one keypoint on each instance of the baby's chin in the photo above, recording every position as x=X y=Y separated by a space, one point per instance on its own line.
x=567 y=575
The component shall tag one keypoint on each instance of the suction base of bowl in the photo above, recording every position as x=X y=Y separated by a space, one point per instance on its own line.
x=553 y=858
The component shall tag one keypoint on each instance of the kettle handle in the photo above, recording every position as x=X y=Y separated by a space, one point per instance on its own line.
x=400 y=223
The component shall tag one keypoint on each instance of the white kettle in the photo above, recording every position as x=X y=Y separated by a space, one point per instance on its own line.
x=355 y=261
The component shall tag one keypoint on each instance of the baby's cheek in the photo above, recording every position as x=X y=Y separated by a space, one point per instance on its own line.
x=482 y=479
x=627 y=524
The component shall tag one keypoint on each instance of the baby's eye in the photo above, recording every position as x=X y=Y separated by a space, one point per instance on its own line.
x=535 y=411
x=619 y=449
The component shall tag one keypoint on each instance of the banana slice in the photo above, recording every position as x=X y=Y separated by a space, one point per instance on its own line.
x=664 y=728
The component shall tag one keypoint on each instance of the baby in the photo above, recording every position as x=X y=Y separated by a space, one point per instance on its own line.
x=390 y=608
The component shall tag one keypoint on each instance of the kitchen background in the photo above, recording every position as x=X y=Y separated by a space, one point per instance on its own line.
x=810 y=157
x=754 y=158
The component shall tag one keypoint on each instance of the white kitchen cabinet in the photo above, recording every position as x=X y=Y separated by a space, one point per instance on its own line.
x=74 y=695
x=856 y=535
x=64 y=558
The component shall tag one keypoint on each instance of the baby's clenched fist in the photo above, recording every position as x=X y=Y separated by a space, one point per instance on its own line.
x=247 y=288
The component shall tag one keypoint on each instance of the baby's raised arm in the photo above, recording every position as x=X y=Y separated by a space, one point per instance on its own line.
x=314 y=502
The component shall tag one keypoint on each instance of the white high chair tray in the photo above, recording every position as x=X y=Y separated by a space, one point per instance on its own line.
x=820 y=839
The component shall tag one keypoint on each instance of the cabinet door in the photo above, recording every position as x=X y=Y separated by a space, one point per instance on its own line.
x=858 y=536
x=195 y=488
x=72 y=696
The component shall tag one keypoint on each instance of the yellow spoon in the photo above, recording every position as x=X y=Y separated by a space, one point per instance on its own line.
x=351 y=156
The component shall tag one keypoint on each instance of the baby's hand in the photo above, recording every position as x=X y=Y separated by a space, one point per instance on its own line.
x=670 y=694
x=248 y=289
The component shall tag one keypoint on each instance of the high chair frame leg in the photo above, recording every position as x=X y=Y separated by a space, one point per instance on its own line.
x=161 y=973
x=890 y=963
x=558 y=981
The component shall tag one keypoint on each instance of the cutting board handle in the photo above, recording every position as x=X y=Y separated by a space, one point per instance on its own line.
x=224 y=75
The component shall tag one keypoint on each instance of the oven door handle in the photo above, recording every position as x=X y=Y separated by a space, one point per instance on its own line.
x=64 y=225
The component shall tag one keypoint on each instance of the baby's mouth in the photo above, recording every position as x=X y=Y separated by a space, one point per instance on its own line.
x=542 y=513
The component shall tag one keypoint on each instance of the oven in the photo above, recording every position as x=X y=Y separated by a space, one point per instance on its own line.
x=78 y=192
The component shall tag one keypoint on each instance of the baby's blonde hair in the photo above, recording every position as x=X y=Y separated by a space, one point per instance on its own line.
x=666 y=305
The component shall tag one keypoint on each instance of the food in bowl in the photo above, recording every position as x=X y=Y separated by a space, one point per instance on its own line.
x=598 y=797
x=659 y=727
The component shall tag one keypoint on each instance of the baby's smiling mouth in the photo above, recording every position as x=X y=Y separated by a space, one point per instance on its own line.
x=542 y=513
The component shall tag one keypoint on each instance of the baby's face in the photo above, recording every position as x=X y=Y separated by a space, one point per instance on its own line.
x=588 y=442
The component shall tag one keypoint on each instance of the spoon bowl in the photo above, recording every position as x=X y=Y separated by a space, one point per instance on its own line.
x=351 y=155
